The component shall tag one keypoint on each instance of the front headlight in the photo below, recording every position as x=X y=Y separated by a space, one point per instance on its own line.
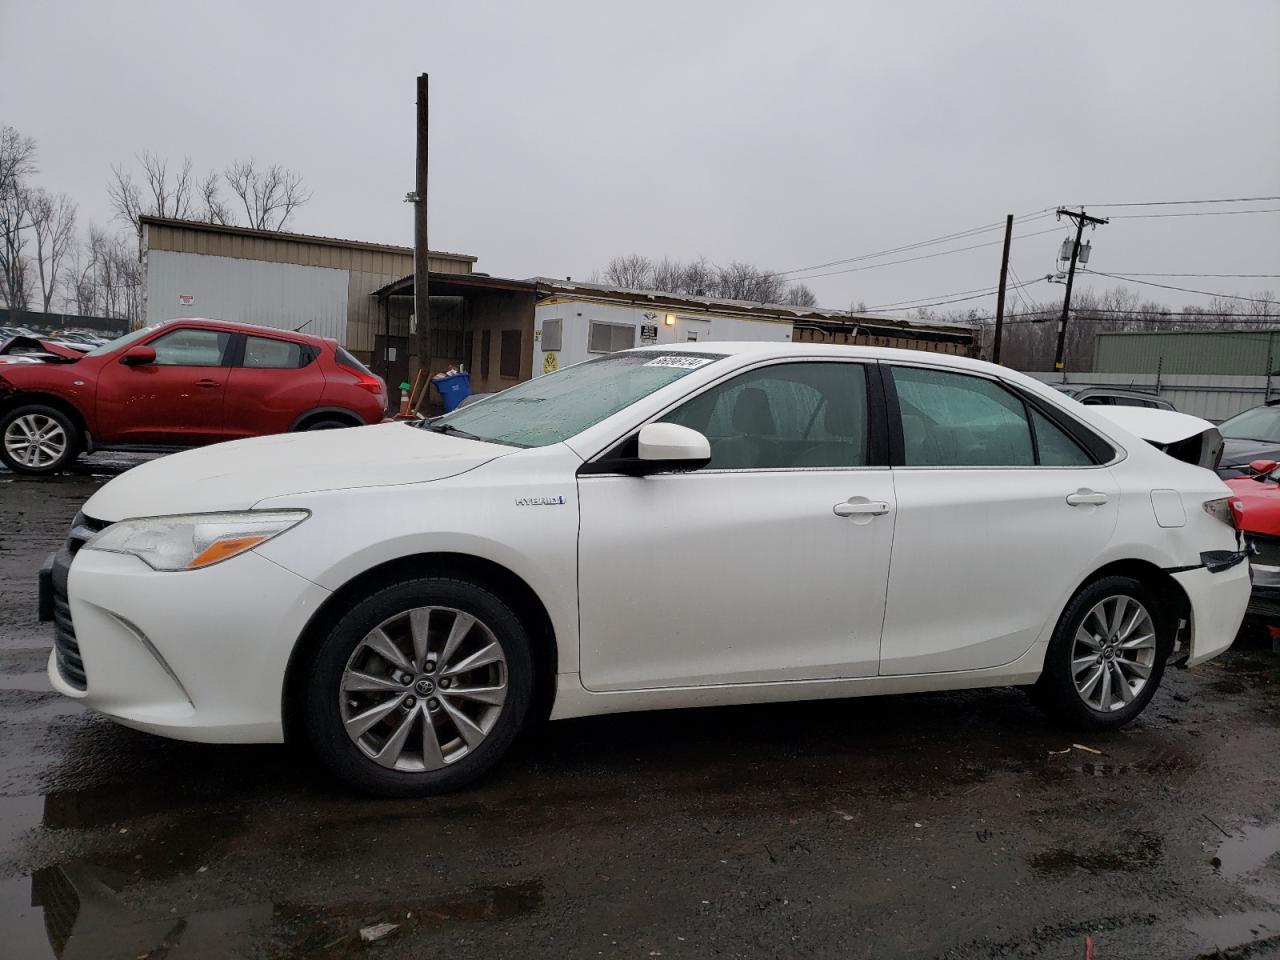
x=194 y=540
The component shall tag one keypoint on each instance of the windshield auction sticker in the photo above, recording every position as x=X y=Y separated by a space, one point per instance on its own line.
x=676 y=360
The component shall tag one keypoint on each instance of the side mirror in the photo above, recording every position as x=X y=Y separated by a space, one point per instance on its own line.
x=669 y=446
x=136 y=356
x=1261 y=468
x=657 y=448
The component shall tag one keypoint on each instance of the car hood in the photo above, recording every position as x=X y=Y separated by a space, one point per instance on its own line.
x=239 y=474
x=1261 y=499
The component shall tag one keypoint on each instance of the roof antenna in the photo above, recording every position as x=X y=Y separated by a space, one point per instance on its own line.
x=299 y=329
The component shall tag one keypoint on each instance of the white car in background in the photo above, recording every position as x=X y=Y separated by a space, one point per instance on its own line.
x=674 y=526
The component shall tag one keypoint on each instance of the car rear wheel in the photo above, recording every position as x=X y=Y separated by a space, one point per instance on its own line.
x=1107 y=655
x=38 y=440
x=420 y=688
x=327 y=423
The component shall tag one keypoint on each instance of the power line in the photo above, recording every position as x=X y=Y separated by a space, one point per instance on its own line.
x=1195 y=213
x=1179 y=203
x=989 y=292
x=927 y=256
x=1135 y=273
x=1166 y=286
x=958 y=235
x=1017 y=289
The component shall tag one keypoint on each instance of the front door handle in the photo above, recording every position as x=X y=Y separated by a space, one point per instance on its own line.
x=208 y=384
x=1085 y=497
x=860 y=508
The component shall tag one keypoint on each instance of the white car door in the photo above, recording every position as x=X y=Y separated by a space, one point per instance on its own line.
x=768 y=564
x=999 y=512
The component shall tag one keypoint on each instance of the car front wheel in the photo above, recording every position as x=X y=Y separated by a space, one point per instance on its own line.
x=38 y=440
x=420 y=688
x=1107 y=655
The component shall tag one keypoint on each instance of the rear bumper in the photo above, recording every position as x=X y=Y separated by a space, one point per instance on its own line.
x=1218 y=604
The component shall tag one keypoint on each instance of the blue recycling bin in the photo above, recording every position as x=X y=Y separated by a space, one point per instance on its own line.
x=453 y=388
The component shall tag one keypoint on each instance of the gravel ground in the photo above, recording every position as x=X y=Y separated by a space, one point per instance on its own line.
x=943 y=825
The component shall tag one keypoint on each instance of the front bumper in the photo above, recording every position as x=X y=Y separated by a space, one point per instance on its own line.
x=1218 y=603
x=196 y=655
x=1265 y=600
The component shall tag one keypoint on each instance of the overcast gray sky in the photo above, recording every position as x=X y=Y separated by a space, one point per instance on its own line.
x=785 y=134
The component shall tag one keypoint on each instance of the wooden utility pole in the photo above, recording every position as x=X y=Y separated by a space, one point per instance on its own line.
x=1004 y=275
x=421 y=303
x=1080 y=218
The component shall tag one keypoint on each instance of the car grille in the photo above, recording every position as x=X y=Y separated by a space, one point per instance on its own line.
x=1263 y=550
x=70 y=665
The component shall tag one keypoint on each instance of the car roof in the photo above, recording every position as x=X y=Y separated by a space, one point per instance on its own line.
x=768 y=348
x=239 y=327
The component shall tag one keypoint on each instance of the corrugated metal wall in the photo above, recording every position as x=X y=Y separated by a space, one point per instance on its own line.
x=196 y=258
x=1222 y=352
x=906 y=342
x=281 y=295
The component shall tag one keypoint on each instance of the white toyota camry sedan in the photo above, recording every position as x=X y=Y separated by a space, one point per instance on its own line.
x=674 y=526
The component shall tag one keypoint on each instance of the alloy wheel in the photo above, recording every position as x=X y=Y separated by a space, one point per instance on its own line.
x=35 y=440
x=1113 y=653
x=423 y=689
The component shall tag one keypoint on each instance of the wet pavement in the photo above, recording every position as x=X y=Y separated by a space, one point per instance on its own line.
x=935 y=826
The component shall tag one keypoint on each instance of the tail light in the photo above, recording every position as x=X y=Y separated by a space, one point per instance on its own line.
x=374 y=384
x=1230 y=510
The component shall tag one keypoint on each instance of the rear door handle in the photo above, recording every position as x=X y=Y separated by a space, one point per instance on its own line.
x=1086 y=498
x=850 y=508
x=208 y=383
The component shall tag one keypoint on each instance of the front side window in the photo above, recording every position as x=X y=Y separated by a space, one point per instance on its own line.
x=555 y=407
x=784 y=416
x=269 y=353
x=191 y=348
x=955 y=420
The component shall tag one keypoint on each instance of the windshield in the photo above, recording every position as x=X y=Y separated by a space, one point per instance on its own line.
x=112 y=345
x=554 y=407
x=1260 y=423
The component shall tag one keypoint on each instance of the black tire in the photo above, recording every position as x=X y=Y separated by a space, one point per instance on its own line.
x=326 y=423
x=74 y=439
x=325 y=728
x=1056 y=693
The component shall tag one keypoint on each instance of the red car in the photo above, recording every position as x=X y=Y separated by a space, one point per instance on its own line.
x=1260 y=522
x=179 y=384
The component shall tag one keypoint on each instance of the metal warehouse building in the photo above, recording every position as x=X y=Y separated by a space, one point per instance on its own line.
x=275 y=279
x=1224 y=352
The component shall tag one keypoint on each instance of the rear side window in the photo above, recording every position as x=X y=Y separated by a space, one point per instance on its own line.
x=955 y=420
x=191 y=348
x=269 y=353
x=784 y=416
x=1056 y=449
x=351 y=363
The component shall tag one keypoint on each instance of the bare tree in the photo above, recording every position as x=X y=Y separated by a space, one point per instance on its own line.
x=79 y=291
x=216 y=209
x=633 y=271
x=743 y=281
x=162 y=194
x=269 y=196
x=53 y=221
x=798 y=295
x=17 y=162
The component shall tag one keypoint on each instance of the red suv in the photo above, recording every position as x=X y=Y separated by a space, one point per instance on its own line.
x=179 y=384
